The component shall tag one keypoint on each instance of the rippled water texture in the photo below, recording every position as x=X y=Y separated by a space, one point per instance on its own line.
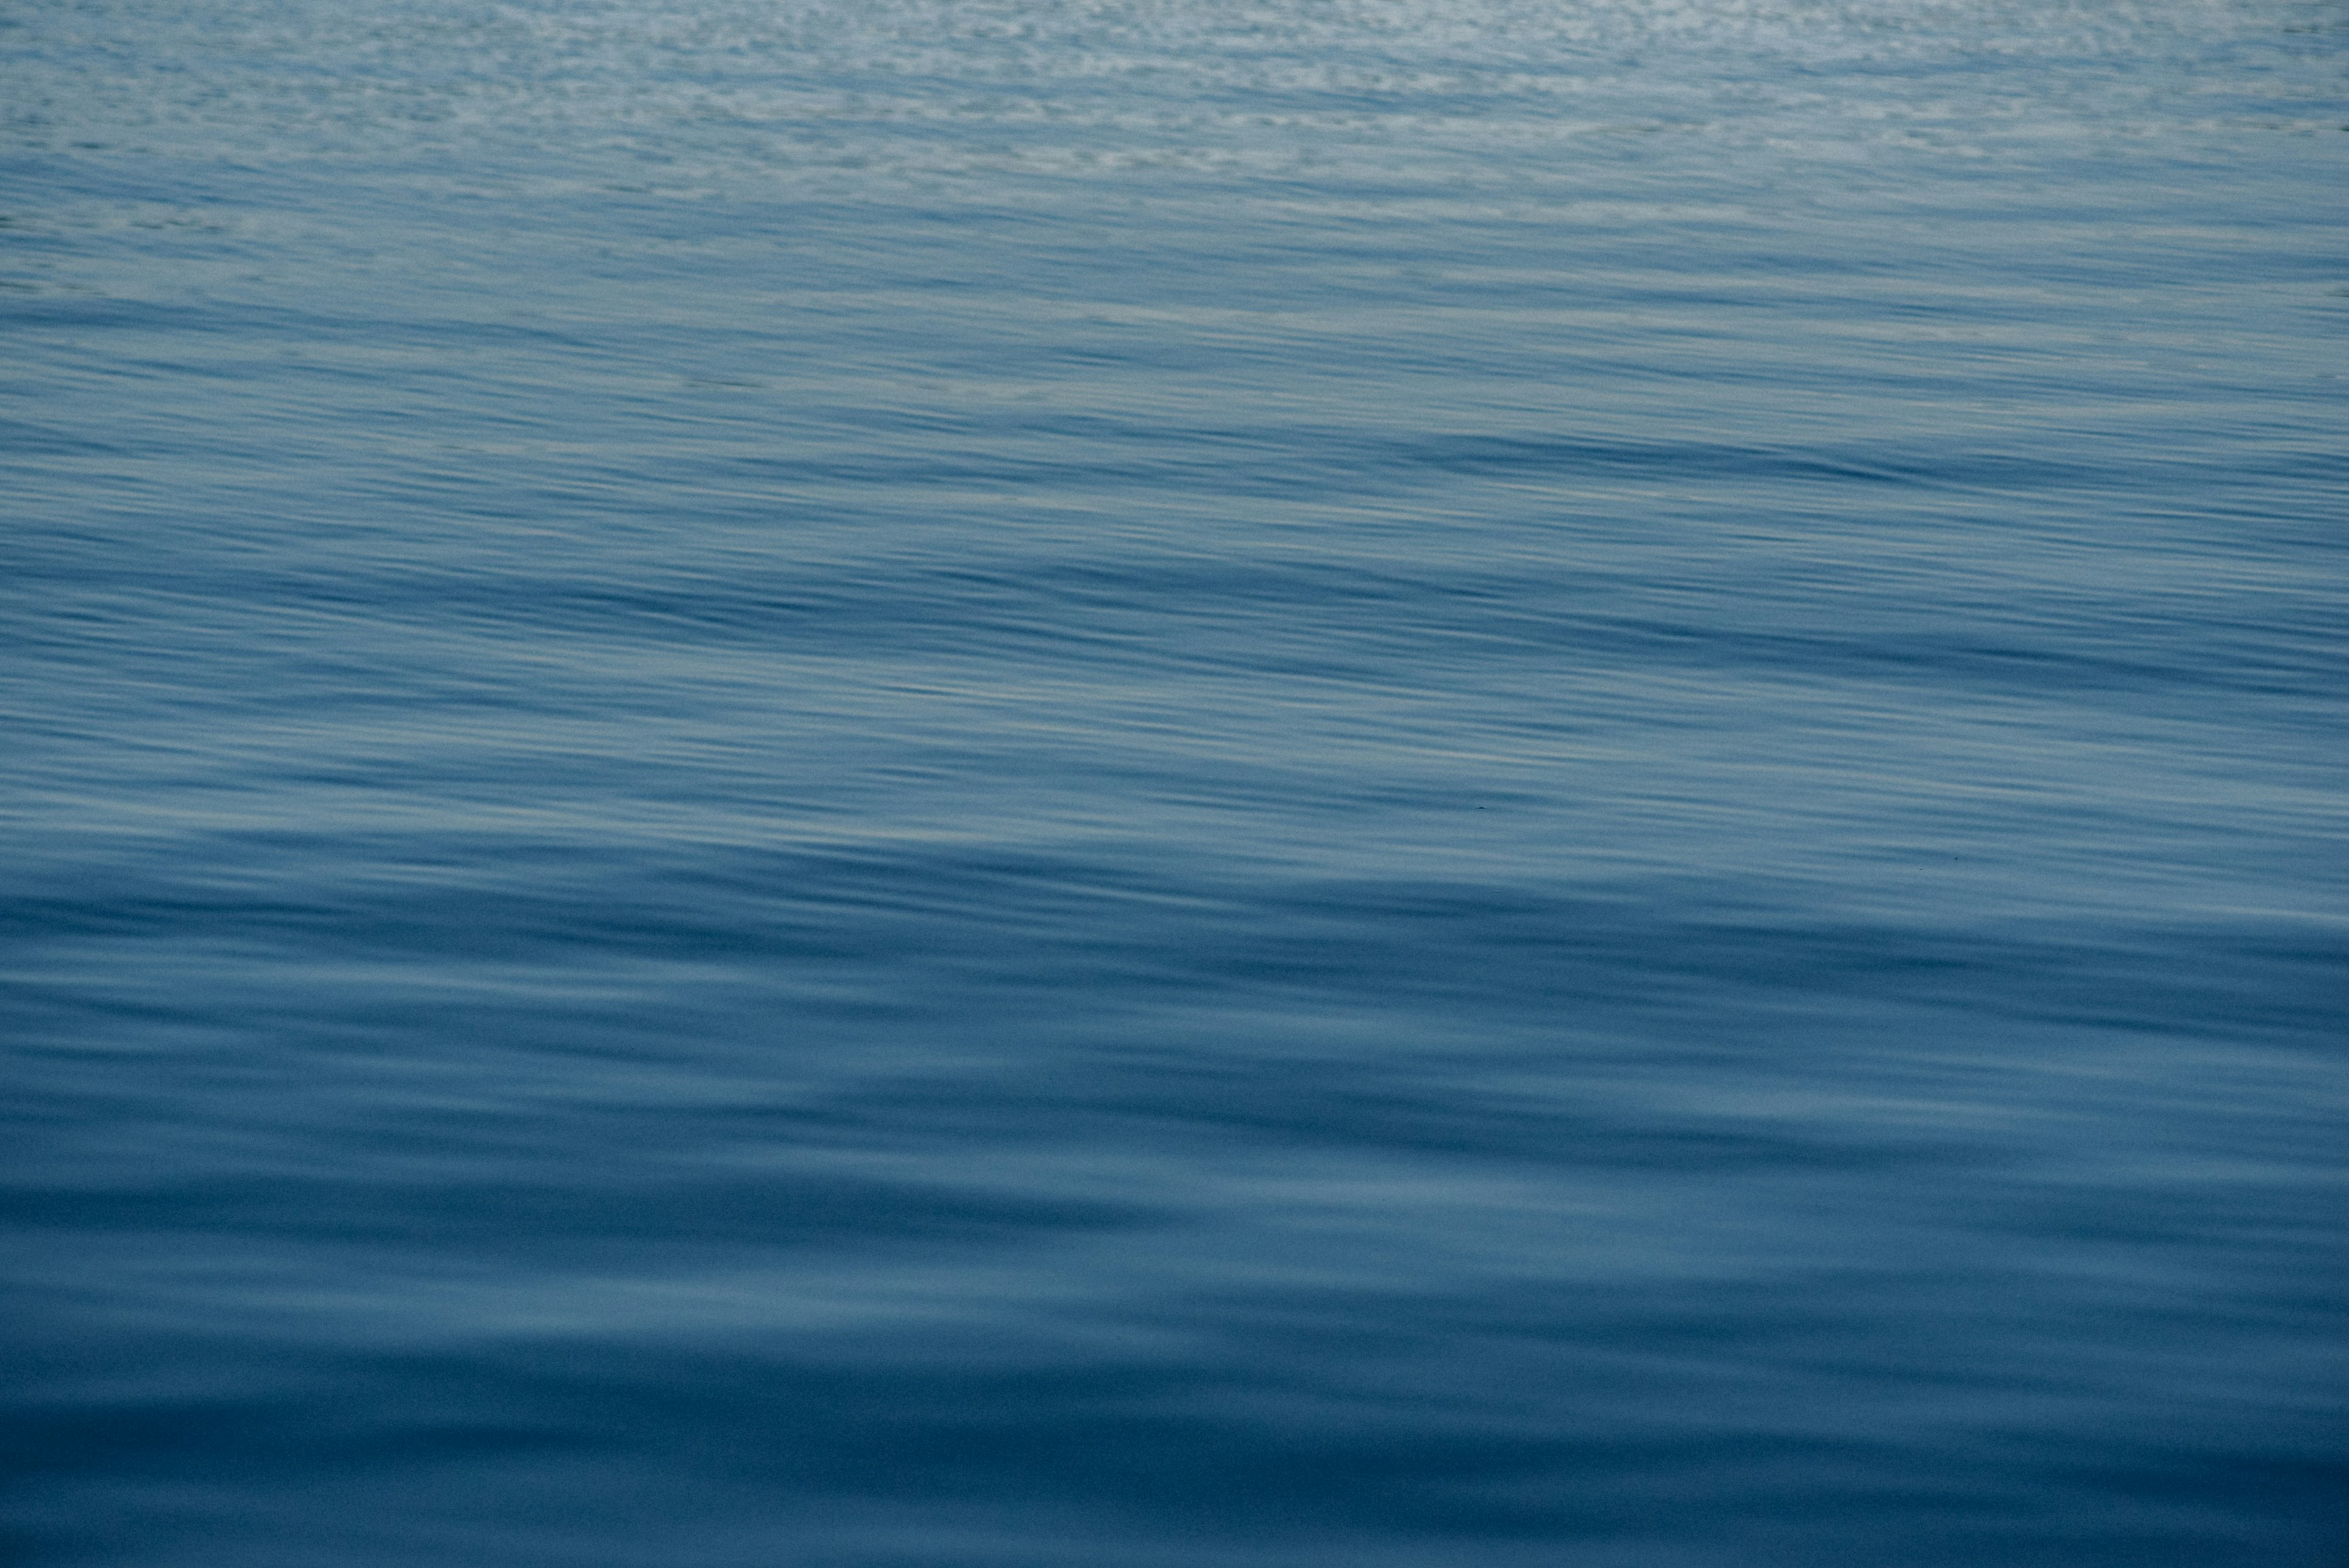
x=1176 y=783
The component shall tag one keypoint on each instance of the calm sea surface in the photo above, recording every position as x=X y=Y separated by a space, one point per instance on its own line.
x=1176 y=783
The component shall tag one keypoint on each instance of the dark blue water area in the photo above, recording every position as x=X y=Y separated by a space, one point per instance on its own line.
x=1020 y=783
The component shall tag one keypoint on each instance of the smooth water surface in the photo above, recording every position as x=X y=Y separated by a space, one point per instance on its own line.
x=1176 y=783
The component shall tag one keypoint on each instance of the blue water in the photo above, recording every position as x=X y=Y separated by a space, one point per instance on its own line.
x=1176 y=783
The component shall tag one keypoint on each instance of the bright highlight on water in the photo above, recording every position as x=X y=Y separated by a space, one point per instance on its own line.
x=1319 y=783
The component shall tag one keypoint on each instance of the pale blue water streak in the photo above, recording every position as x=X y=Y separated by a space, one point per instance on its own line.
x=937 y=784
